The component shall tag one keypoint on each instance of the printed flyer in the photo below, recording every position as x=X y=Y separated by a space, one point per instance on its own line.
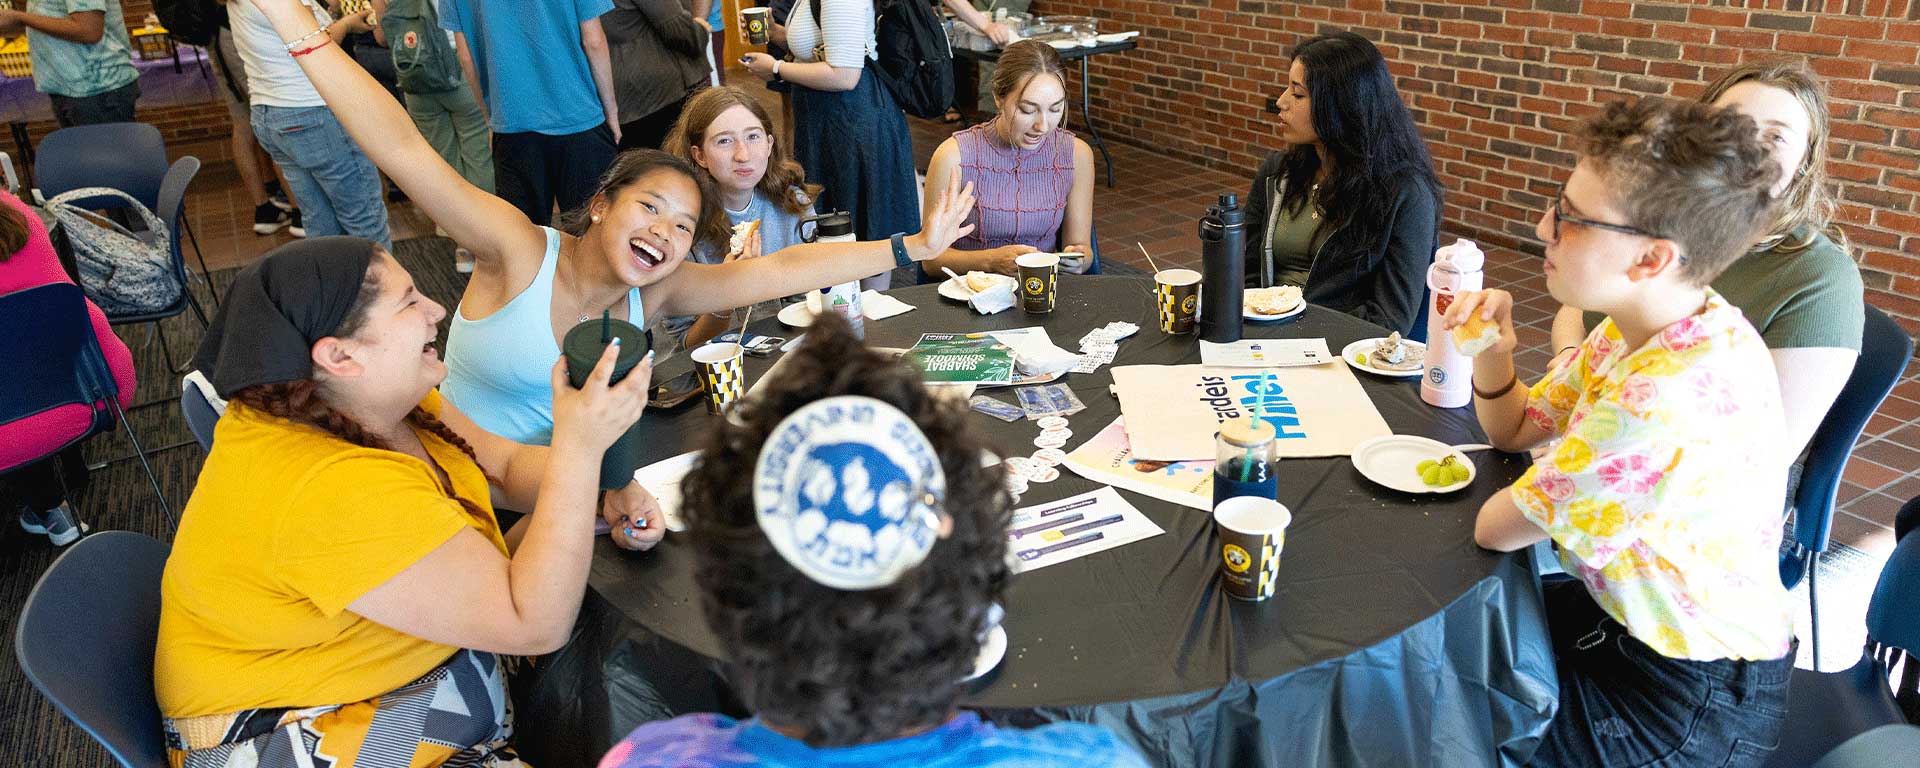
x=1173 y=411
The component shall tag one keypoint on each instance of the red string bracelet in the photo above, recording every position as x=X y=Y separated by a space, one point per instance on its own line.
x=324 y=42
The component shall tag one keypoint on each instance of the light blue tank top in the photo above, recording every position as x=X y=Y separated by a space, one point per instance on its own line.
x=499 y=367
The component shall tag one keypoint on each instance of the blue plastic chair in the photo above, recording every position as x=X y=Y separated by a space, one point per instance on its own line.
x=1887 y=745
x=86 y=641
x=1825 y=710
x=50 y=348
x=1884 y=349
x=72 y=158
x=199 y=414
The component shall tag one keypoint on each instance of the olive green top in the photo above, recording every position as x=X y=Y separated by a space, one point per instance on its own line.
x=1296 y=237
x=1795 y=298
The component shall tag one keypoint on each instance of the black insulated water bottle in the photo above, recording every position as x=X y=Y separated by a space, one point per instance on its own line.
x=1223 y=241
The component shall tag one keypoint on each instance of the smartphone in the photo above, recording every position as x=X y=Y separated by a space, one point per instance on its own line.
x=755 y=345
x=676 y=391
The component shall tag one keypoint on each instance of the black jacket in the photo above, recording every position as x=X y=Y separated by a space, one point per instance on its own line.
x=1380 y=281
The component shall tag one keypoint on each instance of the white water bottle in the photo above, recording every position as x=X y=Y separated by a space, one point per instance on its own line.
x=844 y=298
x=1448 y=382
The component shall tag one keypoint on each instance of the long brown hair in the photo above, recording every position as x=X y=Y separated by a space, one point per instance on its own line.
x=784 y=181
x=1808 y=201
x=14 y=232
x=301 y=402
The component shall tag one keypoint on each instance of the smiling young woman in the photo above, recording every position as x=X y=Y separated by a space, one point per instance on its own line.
x=622 y=253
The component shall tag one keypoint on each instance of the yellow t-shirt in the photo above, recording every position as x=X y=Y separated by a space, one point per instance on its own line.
x=286 y=526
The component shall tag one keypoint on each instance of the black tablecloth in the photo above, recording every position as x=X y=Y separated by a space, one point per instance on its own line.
x=1392 y=639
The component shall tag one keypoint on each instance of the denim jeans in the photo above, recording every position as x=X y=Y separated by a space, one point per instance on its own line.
x=1624 y=705
x=115 y=106
x=336 y=186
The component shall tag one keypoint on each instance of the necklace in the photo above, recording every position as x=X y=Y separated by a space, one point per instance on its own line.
x=584 y=304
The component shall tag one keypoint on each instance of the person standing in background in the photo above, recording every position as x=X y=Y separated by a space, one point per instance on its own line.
x=336 y=186
x=659 y=59
x=709 y=13
x=544 y=72
x=258 y=176
x=437 y=98
x=81 y=59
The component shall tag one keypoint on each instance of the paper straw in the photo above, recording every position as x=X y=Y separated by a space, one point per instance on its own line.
x=1143 y=252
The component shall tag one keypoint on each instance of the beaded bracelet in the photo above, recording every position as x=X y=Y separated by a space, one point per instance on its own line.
x=303 y=38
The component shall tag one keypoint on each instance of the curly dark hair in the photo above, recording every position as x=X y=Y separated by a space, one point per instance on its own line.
x=1689 y=172
x=847 y=667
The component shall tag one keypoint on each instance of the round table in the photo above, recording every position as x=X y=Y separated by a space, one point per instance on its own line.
x=1392 y=639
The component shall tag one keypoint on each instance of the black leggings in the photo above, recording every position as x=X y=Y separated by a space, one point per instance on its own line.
x=43 y=484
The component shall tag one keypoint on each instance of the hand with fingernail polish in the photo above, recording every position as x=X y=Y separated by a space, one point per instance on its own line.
x=634 y=514
x=592 y=417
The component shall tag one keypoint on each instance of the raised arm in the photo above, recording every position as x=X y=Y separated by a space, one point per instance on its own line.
x=695 y=288
x=380 y=126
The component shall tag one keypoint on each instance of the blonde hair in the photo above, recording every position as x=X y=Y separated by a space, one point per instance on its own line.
x=1022 y=61
x=1808 y=200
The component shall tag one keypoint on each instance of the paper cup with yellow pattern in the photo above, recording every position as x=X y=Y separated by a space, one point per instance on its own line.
x=722 y=374
x=1252 y=531
x=756 y=25
x=1039 y=281
x=1177 y=292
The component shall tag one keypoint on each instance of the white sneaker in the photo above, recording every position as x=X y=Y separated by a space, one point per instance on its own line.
x=57 y=524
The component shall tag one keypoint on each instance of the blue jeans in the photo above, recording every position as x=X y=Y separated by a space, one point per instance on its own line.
x=1622 y=704
x=336 y=186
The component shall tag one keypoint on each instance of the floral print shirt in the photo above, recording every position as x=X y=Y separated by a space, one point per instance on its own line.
x=1664 y=493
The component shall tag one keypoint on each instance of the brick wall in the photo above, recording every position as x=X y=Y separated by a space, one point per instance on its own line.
x=1495 y=83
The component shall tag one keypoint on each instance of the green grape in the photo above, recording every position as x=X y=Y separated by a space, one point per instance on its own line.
x=1422 y=466
x=1461 y=473
x=1432 y=476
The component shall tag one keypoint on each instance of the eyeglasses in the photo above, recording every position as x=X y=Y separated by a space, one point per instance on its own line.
x=1559 y=211
x=1559 y=214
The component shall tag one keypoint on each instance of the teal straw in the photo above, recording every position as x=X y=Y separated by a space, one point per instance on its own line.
x=1259 y=412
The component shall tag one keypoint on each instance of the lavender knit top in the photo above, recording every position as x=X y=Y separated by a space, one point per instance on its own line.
x=1021 y=195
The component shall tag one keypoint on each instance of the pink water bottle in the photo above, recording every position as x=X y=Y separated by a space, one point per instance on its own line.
x=1448 y=382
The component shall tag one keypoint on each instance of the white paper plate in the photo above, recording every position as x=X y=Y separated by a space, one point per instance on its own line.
x=1352 y=352
x=951 y=288
x=1064 y=45
x=991 y=652
x=1249 y=314
x=1115 y=37
x=1392 y=461
x=796 y=315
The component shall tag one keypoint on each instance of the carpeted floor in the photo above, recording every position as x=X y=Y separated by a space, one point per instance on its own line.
x=118 y=497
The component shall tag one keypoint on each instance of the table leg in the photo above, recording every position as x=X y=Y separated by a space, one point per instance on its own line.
x=175 y=48
x=1086 y=116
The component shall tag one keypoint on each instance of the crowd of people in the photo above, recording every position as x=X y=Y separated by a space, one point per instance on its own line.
x=341 y=564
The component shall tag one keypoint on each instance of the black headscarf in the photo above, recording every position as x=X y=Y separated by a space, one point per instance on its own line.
x=278 y=307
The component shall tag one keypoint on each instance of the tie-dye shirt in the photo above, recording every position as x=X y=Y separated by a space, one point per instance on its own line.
x=717 y=741
x=1664 y=494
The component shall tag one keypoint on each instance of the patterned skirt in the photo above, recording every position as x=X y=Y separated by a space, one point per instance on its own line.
x=456 y=716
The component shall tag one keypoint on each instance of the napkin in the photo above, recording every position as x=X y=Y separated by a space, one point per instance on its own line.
x=999 y=298
x=879 y=306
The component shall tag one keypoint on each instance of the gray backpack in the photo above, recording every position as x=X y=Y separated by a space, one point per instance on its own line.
x=123 y=272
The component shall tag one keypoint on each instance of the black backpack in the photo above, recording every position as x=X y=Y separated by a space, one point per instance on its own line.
x=194 y=22
x=916 y=59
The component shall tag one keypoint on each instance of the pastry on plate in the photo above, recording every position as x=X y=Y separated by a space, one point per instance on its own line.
x=1277 y=300
x=1394 y=354
x=980 y=282
x=1475 y=335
